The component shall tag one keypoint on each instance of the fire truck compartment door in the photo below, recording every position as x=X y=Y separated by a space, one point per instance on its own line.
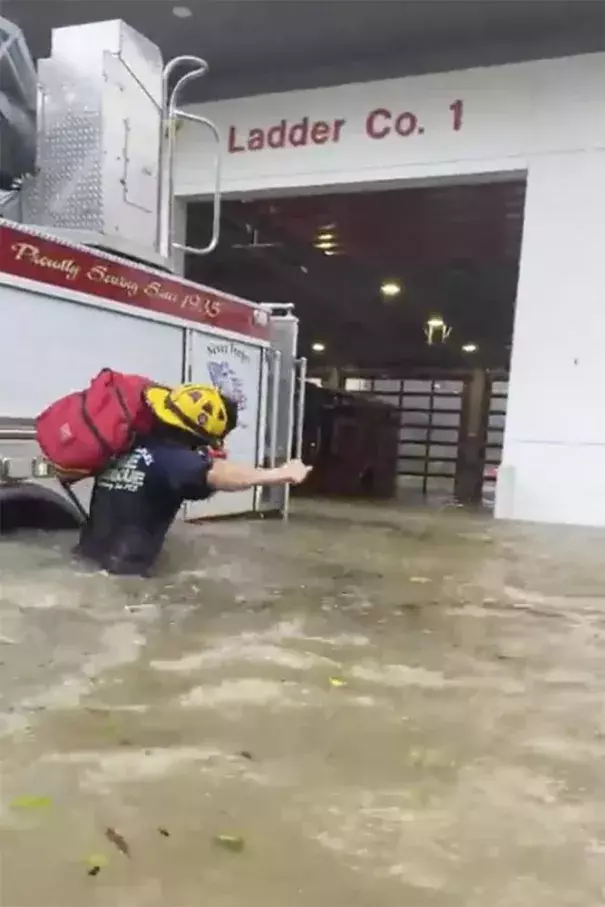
x=50 y=347
x=237 y=368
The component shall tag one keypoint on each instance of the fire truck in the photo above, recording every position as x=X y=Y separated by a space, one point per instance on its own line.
x=89 y=264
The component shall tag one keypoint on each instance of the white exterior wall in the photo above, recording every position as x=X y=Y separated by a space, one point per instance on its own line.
x=546 y=118
x=511 y=113
x=554 y=446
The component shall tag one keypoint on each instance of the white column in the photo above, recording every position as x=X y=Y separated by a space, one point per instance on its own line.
x=553 y=466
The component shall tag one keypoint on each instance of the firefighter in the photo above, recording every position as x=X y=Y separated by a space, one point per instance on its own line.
x=136 y=499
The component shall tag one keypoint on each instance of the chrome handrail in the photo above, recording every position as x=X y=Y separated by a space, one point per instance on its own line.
x=17 y=434
x=274 y=404
x=300 y=407
x=171 y=115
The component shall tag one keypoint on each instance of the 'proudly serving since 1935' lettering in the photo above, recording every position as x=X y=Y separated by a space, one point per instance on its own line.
x=72 y=268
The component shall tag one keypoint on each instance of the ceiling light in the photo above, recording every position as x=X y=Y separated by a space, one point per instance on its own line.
x=390 y=288
x=469 y=348
x=319 y=347
x=325 y=244
x=435 y=322
x=181 y=12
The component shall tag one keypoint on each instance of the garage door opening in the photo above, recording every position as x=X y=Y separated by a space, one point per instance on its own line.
x=406 y=295
x=29 y=506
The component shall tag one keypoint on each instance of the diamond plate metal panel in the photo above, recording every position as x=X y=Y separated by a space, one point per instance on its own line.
x=99 y=135
x=67 y=191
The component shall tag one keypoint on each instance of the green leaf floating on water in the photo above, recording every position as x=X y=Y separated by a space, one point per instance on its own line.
x=96 y=860
x=28 y=801
x=337 y=682
x=234 y=843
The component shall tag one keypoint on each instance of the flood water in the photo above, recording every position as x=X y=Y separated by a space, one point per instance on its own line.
x=368 y=708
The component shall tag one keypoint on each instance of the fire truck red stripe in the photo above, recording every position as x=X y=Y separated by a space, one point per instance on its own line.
x=25 y=254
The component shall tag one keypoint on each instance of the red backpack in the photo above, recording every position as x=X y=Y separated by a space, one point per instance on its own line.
x=83 y=432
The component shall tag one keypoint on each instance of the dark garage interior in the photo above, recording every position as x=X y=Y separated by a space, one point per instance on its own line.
x=405 y=296
x=367 y=271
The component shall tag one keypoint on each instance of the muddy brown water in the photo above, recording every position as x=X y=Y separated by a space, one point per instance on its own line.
x=382 y=707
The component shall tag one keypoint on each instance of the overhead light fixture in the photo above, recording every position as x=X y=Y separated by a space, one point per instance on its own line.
x=436 y=330
x=470 y=348
x=319 y=347
x=325 y=244
x=182 y=12
x=390 y=288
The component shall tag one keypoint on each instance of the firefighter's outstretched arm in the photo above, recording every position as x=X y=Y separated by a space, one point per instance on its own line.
x=225 y=476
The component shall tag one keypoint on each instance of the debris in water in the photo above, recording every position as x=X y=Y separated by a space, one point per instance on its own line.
x=26 y=801
x=234 y=843
x=337 y=682
x=118 y=841
x=96 y=862
x=164 y=832
x=246 y=754
x=421 y=580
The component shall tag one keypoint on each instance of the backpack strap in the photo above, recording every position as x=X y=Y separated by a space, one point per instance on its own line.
x=74 y=499
x=92 y=427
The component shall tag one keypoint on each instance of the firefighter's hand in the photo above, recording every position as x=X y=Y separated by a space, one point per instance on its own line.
x=295 y=471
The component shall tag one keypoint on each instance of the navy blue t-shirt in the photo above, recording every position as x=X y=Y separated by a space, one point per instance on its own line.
x=135 y=501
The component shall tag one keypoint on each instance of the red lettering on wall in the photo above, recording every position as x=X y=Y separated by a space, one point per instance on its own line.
x=256 y=140
x=380 y=123
x=300 y=134
x=406 y=124
x=232 y=145
x=338 y=126
x=377 y=123
x=457 y=109
x=320 y=133
x=276 y=135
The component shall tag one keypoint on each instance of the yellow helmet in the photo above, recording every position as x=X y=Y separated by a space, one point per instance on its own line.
x=196 y=408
